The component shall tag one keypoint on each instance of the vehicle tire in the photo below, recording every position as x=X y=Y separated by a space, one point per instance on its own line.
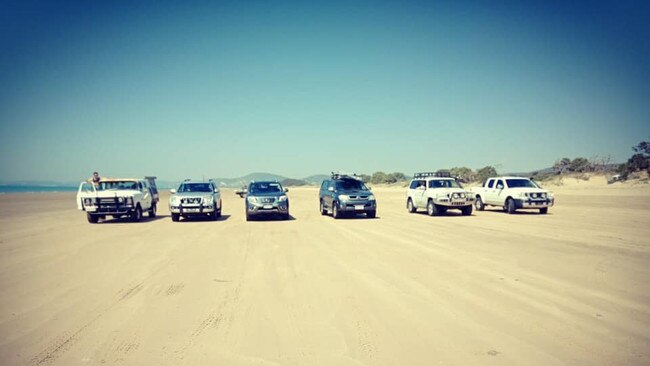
x=152 y=211
x=214 y=215
x=510 y=206
x=409 y=206
x=441 y=209
x=249 y=217
x=480 y=206
x=136 y=215
x=323 y=211
x=219 y=211
x=335 y=211
x=432 y=209
x=286 y=216
x=467 y=210
x=176 y=217
x=92 y=218
x=371 y=214
x=543 y=211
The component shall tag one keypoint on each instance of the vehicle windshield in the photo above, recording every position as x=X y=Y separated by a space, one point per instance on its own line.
x=117 y=185
x=351 y=184
x=194 y=187
x=265 y=187
x=444 y=183
x=520 y=183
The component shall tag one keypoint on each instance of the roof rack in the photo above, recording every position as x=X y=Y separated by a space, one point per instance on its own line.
x=438 y=174
x=341 y=175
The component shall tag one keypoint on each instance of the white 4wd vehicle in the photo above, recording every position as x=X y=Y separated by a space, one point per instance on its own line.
x=437 y=193
x=118 y=198
x=195 y=198
x=513 y=193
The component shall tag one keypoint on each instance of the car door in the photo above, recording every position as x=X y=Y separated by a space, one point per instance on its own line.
x=217 y=196
x=500 y=192
x=419 y=193
x=86 y=189
x=147 y=197
x=329 y=194
x=489 y=192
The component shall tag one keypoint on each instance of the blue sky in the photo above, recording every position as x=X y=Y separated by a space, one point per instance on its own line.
x=298 y=88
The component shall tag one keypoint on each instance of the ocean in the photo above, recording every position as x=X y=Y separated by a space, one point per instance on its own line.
x=4 y=189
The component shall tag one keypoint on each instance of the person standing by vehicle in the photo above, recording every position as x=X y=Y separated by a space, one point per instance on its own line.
x=95 y=179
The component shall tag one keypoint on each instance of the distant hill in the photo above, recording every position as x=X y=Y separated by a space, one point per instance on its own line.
x=241 y=181
x=316 y=179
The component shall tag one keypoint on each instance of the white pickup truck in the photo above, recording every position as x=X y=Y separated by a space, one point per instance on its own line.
x=118 y=198
x=512 y=193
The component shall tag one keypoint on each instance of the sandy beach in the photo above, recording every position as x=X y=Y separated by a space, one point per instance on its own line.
x=570 y=287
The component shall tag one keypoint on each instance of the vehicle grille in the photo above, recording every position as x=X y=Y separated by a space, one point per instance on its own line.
x=358 y=197
x=190 y=200
x=267 y=200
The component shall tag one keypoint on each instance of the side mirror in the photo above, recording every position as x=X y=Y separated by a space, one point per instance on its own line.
x=216 y=191
x=172 y=191
x=331 y=189
x=286 y=190
x=240 y=192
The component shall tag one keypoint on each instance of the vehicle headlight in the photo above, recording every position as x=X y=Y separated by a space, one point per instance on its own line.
x=174 y=200
x=282 y=198
x=120 y=199
x=88 y=201
x=534 y=195
x=208 y=200
x=523 y=194
x=455 y=195
x=371 y=197
x=344 y=197
x=128 y=201
x=251 y=199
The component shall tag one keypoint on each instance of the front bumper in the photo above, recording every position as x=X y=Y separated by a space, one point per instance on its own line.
x=455 y=202
x=261 y=209
x=186 y=210
x=119 y=209
x=523 y=203
x=358 y=206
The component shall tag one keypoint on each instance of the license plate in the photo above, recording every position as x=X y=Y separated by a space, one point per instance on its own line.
x=191 y=210
x=268 y=207
x=359 y=207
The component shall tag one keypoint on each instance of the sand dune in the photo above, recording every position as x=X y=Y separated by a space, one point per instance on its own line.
x=570 y=287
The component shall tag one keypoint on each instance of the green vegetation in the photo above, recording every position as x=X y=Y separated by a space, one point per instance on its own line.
x=637 y=162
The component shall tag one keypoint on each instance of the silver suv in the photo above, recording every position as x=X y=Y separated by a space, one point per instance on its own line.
x=195 y=198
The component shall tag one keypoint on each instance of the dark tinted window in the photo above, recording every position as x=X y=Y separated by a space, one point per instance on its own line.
x=490 y=183
x=500 y=184
x=443 y=183
x=323 y=186
x=414 y=184
x=348 y=184
x=520 y=183
x=194 y=187
x=265 y=187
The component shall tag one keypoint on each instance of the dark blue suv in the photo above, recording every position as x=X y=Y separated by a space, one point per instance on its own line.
x=346 y=194
x=265 y=198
